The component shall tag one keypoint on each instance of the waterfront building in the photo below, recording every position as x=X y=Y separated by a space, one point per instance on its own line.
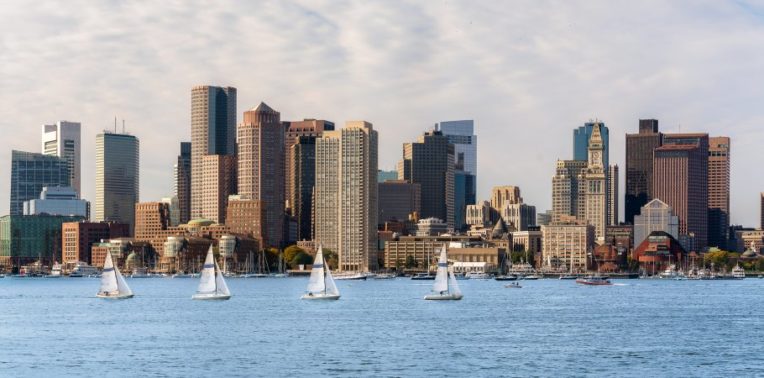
x=431 y=227
x=345 y=199
x=718 y=191
x=419 y=252
x=744 y=239
x=568 y=194
x=261 y=167
x=118 y=247
x=620 y=236
x=639 y=166
x=152 y=223
x=302 y=178
x=656 y=215
x=245 y=218
x=182 y=183
x=78 y=238
x=62 y=139
x=612 y=195
x=429 y=162
x=28 y=238
x=58 y=200
x=398 y=201
x=566 y=241
x=658 y=251
x=213 y=150
x=582 y=137
x=518 y=216
x=479 y=215
x=680 y=179
x=294 y=130
x=530 y=241
x=117 y=177
x=30 y=173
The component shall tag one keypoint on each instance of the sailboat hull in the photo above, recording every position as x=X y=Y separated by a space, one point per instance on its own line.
x=108 y=296
x=321 y=296
x=443 y=297
x=210 y=297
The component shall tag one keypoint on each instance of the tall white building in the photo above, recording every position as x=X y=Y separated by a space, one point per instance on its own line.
x=62 y=139
x=346 y=195
x=595 y=186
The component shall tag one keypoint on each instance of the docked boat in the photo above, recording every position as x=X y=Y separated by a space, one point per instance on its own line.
x=83 y=269
x=738 y=272
x=423 y=277
x=55 y=271
x=350 y=277
x=384 y=276
x=321 y=284
x=445 y=286
x=478 y=275
x=140 y=272
x=514 y=285
x=506 y=277
x=568 y=277
x=212 y=284
x=594 y=281
x=113 y=285
x=531 y=277
x=670 y=272
x=185 y=275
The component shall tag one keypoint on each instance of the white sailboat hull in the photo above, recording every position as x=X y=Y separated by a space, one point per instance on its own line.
x=321 y=296
x=211 y=297
x=118 y=296
x=443 y=297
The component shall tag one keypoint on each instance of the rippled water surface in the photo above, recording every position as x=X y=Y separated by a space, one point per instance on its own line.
x=55 y=327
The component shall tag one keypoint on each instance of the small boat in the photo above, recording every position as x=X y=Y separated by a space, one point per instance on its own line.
x=531 y=277
x=278 y=275
x=321 y=284
x=140 y=272
x=185 y=275
x=568 y=277
x=445 y=286
x=212 y=285
x=478 y=276
x=384 y=276
x=594 y=281
x=254 y=275
x=508 y=277
x=113 y=285
x=738 y=272
x=514 y=285
x=55 y=271
x=423 y=277
x=350 y=277
x=83 y=269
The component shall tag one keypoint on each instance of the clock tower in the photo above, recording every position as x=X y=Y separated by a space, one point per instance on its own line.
x=595 y=184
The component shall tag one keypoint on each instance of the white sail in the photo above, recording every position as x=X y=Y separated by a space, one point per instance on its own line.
x=222 y=288
x=316 y=283
x=108 y=277
x=207 y=282
x=331 y=288
x=441 y=278
x=121 y=284
x=452 y=285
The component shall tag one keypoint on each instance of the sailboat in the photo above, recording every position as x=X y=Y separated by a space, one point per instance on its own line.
x=445 y=286
x=321 y=284
x=212 y=284
x=113 y=285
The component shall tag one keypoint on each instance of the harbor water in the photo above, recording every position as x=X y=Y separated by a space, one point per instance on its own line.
x=56 y=327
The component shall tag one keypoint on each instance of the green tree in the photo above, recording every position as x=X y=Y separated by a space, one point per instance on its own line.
x=290 y=253
x=717 y=257
x=301 y=258
x=760 y=265
x=410 y=262
x=331 y=258
x=272 y=259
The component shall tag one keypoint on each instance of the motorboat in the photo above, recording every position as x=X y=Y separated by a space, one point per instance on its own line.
x=738 y=272
x=350 y=277
x=140 y=272
x=568 y=277
x=55 y=271
x=507 y=277
x=478 y=276
x=531 y=277
x=423 y=277
x=83 y=269
x=594 y=281
x=514 y=285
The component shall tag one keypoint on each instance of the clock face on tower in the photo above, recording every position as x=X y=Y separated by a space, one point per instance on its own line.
x=595 y=156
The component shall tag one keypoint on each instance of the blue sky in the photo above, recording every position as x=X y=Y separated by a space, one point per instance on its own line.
x=527 y=72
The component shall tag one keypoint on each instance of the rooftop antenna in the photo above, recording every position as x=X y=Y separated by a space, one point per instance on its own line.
x=123 y=126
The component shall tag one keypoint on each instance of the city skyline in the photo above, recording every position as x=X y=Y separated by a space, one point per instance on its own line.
x=519 y=115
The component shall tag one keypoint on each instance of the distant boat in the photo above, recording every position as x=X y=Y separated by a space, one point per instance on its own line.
x=140 y=272
x=423 y=277
x=594 y=281
x=507 y=277
x=212 y=284
x=321 y=284
x=82 y=269
x=384 y=276
x=514 y=285
x=568 y=277
x=351 y=276
x=113 y=285
x=738 y=272
x=445 y=286
x=477 y=275
x=55 y=271
x=530 y=277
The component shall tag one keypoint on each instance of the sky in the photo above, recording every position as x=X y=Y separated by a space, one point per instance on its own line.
x=527 y=72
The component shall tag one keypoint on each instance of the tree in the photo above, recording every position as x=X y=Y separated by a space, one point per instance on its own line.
x=760 y=265
x=717 y=257
x=410 y=262
x=331 y=258
x=272 y=258
x=301 y=258
x=290 y=253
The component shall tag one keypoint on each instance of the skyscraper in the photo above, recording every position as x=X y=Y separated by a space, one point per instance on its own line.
x=302 y=177
x=568 y=190
x=117 y=177
x=182 y=183
x=581 y=137
x=595 y=185
x=612 y=195
x=295 y=129
x=680 y=179
x=462 y=135
x=62 y=139
x=346 y=195
x=761 y=211
x=261 y=167
x=213 y=150
x=639 y=166
x=429 y=162
x=718 y=191
x=30 y=172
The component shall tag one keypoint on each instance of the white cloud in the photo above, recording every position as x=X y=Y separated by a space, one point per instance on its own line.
x=527 y=72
